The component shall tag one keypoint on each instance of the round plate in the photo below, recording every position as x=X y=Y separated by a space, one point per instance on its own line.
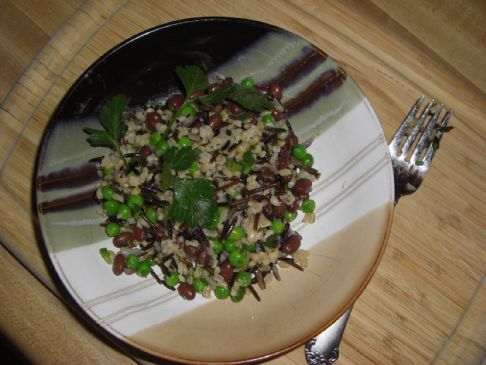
x=354 y=195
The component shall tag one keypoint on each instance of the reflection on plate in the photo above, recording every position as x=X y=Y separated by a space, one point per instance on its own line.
x=354 y=195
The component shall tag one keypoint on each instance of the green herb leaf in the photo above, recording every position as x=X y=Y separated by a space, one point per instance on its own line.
x=217 y=96
x=166 y=178
x=193 y=79
x=110 y=116
x=100 y=138
x=250 y=99
x=244 y=115
x=176 y=159
x=182 y=158
x=193 y=202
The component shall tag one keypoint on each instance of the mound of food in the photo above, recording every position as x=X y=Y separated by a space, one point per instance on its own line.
x=204 y=187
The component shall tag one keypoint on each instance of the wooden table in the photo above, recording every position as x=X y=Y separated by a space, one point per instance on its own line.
x=427 y=301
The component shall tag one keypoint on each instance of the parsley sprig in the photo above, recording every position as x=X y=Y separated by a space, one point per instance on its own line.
x=177 y=160
x=193 y=202
x=112 y=122
x=193 y=79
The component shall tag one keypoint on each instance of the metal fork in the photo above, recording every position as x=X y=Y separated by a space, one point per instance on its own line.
x=409 y=169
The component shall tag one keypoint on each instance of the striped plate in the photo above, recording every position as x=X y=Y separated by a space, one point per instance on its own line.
x=354 y=195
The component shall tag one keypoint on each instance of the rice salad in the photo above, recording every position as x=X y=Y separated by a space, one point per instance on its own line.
x=199 y=191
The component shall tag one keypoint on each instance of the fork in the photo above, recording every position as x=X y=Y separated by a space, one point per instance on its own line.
x=409 y=169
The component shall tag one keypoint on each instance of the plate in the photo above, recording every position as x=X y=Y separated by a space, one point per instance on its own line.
x=354 y=195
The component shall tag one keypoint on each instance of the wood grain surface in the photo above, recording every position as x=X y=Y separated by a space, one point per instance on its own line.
x=426 y=303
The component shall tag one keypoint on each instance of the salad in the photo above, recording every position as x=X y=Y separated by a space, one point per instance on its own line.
x=199 y=192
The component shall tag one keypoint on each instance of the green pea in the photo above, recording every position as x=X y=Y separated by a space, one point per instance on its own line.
x=248 y=159
x=112 y=229
x=244 y=277
x=246 y=170
x=238 y=258
x=250 y=247
x=108 y=171
x=215 y=219
x=111 y=208
x=107 y=192
x=136 y=210
x=308 y=206
x=193 y=168
x=308 y=160
x=161 y=147
x=247 y=162
x=124 y=212
x=143 y=268
x=290 y=216
x=268 y=119
x=238 y=297
x=236 y=195
x=224 y=113
x=217 y=246
x=187 y=110
x=277 y=226
x=214 y=223
x=184 y=142
x=269 y=242
x=151 y=214
x=229 y=246
x=135 y=201
x=233 y=165
x=155 y=138
x=132 y=262
x=172 y=279
x=236 y=234
x=299 y=151
x=248 y=82
x=221 y=292
x=105 y=254
x=199 y=285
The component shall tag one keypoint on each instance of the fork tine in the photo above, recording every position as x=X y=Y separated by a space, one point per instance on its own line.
x=431 y=151
x=425 y=139
x=416 y=130
x=400 y=133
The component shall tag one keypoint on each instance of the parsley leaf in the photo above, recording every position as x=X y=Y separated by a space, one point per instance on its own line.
x=193 y=202
x=176 y=159
x=182 y=158
x=111 y=120
x=110 y=116
x=217 y=96
x=250 y=99
x=193 y=79
x=99 y=138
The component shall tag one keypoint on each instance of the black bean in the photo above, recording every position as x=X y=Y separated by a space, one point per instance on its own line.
x=214 y=87
x=176 y=101
x=291 y=244
x=279 y=210
x=191 y=251
x=123 y=239
x=186 y=291
x=215 y=121
x=118 y=264
x=301 y=187
x=152 y=119
x=275 y=90
x=226 y=271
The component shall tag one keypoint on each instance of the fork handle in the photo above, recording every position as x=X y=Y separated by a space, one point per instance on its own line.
x=324 y=349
